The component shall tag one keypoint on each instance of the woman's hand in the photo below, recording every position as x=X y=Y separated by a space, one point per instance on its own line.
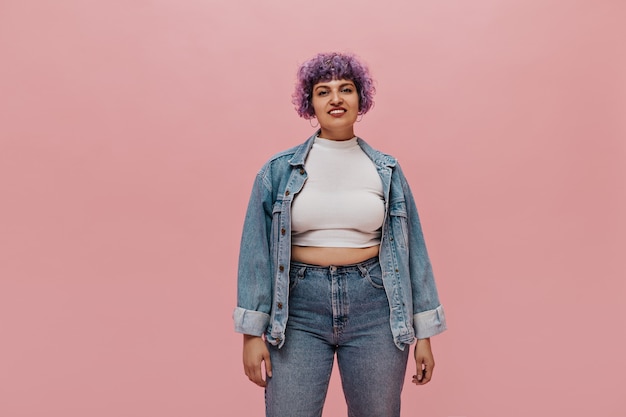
x=424 y=361
x=254 y=352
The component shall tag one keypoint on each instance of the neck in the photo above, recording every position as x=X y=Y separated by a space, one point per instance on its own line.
x=343 y=134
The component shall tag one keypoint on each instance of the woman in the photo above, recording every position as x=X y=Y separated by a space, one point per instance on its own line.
x=333 y=261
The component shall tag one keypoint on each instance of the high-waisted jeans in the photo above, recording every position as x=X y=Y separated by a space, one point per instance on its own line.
x=342 y=310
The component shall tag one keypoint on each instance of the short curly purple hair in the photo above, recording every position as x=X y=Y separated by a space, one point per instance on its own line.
x=332 y=66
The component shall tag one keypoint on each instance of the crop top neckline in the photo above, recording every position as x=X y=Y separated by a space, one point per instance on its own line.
x=336 y=144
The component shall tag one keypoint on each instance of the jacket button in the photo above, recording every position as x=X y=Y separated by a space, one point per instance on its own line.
x=282 y=231
x=280 y=306
x=302 y=171
x=287 y=192
x=281 y=268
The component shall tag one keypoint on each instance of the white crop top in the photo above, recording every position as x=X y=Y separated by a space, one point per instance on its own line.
x=341 y=203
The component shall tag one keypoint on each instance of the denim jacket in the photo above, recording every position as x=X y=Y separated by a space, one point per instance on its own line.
x=264 y=257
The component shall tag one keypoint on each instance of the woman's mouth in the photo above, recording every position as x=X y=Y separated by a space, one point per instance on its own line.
x=337 y=112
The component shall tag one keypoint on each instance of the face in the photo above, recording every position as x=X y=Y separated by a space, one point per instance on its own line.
x=336 y=106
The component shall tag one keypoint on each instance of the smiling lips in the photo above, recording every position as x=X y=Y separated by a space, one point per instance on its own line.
x=337 y=112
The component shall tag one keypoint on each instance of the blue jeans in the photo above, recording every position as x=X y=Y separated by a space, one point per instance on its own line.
x=342 y=310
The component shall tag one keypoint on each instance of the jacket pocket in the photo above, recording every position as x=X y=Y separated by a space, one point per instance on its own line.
x=277 y=212
x=399 y=223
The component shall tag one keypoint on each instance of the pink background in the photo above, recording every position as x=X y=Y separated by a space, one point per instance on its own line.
x=130 y=132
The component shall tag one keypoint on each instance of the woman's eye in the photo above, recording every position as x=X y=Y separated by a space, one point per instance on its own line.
x=347 y=90
x=322 y=93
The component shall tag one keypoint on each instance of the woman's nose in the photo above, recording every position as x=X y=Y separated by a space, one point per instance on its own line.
x=335 y=97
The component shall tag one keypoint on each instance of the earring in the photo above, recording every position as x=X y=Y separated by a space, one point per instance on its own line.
x=359 y=117
x=311 y=123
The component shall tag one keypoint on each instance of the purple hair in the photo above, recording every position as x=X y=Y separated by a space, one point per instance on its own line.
x=332 y=66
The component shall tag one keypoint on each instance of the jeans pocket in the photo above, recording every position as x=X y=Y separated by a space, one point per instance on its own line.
x=295 y=276
x=374 y=276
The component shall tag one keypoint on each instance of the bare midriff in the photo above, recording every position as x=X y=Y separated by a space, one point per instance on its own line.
x=324 y=256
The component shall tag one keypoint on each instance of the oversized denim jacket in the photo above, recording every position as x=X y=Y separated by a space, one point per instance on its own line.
x=263 y=277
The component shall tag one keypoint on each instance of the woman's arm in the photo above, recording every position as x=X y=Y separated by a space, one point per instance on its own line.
x=254 y=284
x=254 y=277
x=428 y=315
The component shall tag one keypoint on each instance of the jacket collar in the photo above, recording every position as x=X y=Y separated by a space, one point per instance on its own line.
x=379 y=158
x=299 y=156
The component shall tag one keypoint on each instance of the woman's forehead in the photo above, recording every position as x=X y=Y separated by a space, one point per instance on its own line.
x=333 y=82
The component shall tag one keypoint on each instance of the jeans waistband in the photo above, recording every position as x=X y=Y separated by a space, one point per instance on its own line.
x=339 y=268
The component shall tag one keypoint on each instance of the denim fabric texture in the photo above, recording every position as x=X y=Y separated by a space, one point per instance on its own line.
x=344 y=311
x=264 y=257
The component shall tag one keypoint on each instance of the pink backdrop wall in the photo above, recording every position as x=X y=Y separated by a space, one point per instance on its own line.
x=129 y=136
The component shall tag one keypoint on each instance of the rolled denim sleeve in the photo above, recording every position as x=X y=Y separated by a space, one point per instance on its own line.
x=254 y=277
x=428 y=315
x=250 y=322
x=429 y=323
